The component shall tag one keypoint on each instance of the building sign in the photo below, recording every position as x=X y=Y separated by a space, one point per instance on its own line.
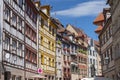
x=40 y=70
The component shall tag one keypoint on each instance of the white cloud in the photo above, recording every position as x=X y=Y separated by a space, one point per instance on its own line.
x=90 y=8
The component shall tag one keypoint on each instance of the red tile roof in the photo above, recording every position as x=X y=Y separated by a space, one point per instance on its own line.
x=99 y=18
x=99 y=28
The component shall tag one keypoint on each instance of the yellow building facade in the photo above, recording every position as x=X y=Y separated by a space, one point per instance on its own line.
x=47 y=43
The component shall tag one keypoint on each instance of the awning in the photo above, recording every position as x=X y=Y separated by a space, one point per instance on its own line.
x=38 y=76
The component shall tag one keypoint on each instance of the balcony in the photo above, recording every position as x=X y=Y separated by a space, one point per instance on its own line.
x=7 y=26
x=15 y=6
x=31 y=66
x=20 y=36
x=46 y=50
x=30 y=22
x=30 y=42
x=34 y=45
x=106 y=44
x=13 y=31
x=27 y=40
x=73 y=53
x=74 y=59
x=82 y=51
x=44 y=31
x=72 y=63
x=50 y=68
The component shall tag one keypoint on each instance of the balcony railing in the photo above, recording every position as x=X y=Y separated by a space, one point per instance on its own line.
x=46 y=50
x=15 y=6
x=13 y=31
x=30 y=42
x=6 y=26
x=30 y=22
x=31 y=66
x=20 y=36
x=50 y=68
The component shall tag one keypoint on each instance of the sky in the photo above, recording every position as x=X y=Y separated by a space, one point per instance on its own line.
x=80 y=13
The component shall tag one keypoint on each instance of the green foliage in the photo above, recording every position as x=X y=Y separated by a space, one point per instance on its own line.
x=59 y=42
x=82 y=51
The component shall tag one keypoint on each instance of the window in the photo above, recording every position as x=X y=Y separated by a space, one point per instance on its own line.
x=50 y=28
x=49 y=44
x=15 y=1
x=90 y=52
x=49 y=62
x=14 y=20
x=35 y=17
x=42 y=22
x=14 y=59
x=68 y=58
x=20 y=2
x=64 y=57
x=53 y=31
x=14 y=46
x=64 y=70
x=93 y=61
x=34 y=37
x=7 y=14
x=20 y=24
x=7 y=43
x=106 y=35
x=45 y=60
x=53 y=63
x=41 y=40
x=35 y=58
x=46 y=23
x=90 y=61
x=93 y=53
x=13 y=77
x=52 y=46
x=31 y=15
x=28 y=10
x=111 y=53
x=20 y=61
x=19 y=78
x=110 y=30
x=28 y=55
x=20 y=49
x=42 y=59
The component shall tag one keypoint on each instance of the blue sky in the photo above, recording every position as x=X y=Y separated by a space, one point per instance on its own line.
x=79 y=13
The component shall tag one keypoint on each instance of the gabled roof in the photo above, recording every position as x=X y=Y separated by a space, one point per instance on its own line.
x=80 y=32
x=99 y=18
x=58 y=23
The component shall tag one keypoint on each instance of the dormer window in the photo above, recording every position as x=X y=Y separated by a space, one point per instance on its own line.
x=45 y=11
